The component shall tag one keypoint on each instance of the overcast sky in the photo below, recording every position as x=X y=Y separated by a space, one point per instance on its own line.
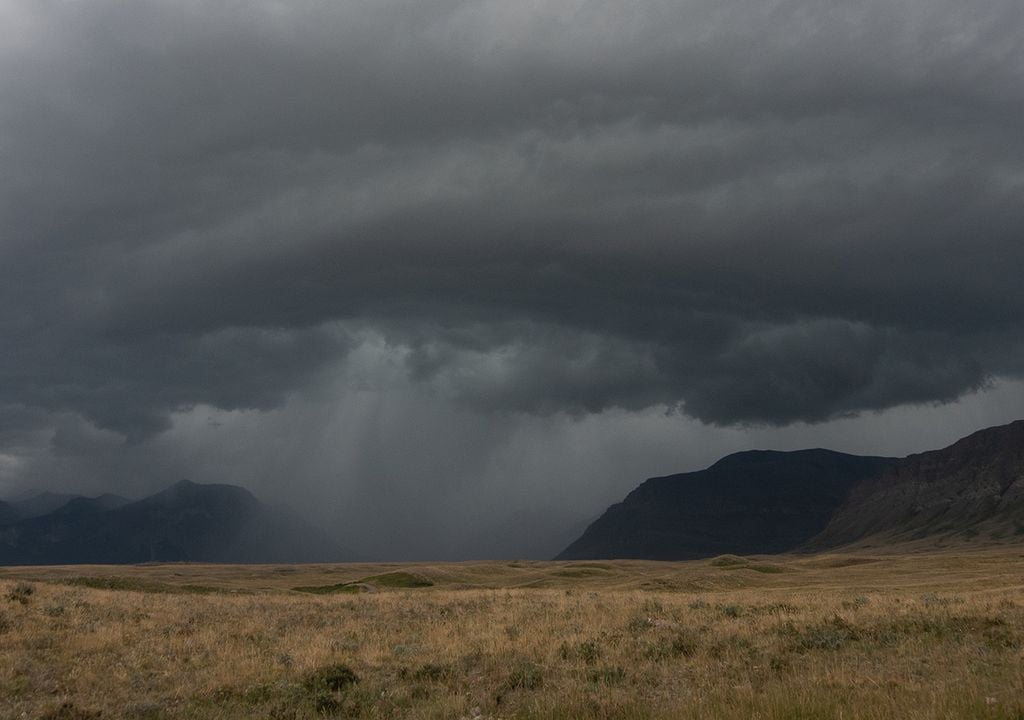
x=452 y=276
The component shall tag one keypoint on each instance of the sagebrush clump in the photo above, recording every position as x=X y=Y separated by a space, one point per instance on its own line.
x=21 y=593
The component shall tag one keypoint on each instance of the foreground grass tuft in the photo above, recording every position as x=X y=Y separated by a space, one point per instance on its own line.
x=21 y=593
x=525 y=676
x=333 y=678
x=68 y=711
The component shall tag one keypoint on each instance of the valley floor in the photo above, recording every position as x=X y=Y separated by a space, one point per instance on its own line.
x=898 y=635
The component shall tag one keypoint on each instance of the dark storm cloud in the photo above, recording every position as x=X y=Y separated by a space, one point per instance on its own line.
x=749 y=211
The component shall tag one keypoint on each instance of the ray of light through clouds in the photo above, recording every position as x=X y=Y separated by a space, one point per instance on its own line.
x=453 y=276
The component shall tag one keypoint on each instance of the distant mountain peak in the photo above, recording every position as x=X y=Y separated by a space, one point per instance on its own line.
x=186 y=490
x=746 y=458
x=100 y=503
x=42 y=502
x=184 y=522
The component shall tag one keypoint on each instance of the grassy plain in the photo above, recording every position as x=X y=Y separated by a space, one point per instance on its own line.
x=911 y=635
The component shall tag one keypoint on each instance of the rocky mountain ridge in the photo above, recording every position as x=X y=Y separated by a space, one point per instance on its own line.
x=769 y=502
x=973 y=488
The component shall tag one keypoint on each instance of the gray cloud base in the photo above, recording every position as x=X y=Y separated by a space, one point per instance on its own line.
x=750 y=212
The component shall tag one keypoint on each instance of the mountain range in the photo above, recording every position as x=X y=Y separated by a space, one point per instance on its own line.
x=810 y=500
x=185 y=522
x=754 y=502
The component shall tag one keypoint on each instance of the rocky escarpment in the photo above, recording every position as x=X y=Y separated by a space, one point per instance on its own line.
x=973 y=488
x=750 y=502
x=811 y=500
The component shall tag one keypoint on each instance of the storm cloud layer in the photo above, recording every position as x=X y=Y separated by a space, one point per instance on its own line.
x=744 y=212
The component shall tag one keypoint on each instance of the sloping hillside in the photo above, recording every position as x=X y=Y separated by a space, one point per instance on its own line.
x=973 y=488
x=750 y=502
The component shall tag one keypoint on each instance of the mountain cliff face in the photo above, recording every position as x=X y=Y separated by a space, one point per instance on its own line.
x=186 y=522
x=750 y=502
x=768 y=502
x=973 y=488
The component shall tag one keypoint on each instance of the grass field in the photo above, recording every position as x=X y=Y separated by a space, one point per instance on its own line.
x=920 y=635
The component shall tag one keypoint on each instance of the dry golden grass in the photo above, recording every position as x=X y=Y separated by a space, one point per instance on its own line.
x=925 y=635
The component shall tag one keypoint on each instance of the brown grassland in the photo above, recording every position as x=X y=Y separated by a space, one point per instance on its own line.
x=922 y=634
